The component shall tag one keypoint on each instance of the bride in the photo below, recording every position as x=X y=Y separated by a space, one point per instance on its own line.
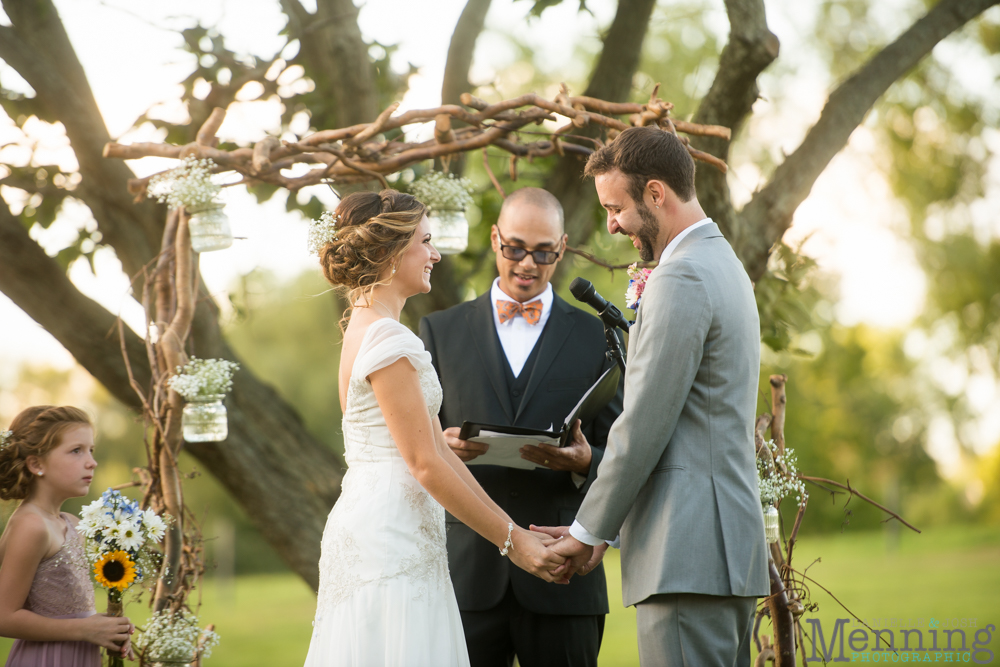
x=385 y=595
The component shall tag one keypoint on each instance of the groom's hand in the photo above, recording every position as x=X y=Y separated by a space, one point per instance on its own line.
x=464 y=449
x=577 y=555
x=559 y=532
x=574 y=457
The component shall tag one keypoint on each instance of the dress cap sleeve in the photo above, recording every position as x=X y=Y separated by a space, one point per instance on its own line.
x=386 y=342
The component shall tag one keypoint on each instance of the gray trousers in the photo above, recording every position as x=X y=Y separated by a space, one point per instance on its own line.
x=690 y=630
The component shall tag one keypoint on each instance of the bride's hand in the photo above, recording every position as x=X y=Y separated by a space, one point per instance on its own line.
x=531 y=555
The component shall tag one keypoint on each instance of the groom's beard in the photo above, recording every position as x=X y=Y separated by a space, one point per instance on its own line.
x=647 y=231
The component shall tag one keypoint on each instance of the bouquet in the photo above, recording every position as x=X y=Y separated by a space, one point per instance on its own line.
x=200 y=378
x=636 y=285
x=442 y=192
x=118 y=539
x=189 y=185
x=175 y=637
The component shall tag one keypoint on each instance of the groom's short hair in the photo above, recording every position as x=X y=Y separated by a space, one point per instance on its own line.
x=644 y=154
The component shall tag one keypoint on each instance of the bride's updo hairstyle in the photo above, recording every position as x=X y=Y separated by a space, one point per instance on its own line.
x=372 y=232
x=34 y=432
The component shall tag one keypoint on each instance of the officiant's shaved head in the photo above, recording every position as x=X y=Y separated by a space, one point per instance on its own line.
x=537 y=198
x=531 y=220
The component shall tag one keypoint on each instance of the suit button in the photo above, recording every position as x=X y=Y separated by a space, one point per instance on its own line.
x=514 y=494
x=516 y=392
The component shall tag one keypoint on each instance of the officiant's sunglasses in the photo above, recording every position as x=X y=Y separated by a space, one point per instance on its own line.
x=517 y=253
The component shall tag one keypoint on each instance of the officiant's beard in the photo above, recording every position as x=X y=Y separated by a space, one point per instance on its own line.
x=647 y=232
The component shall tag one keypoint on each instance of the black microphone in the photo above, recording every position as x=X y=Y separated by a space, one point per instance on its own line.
x=584 y=291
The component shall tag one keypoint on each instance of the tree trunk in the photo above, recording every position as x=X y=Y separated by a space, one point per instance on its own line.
x=611 y=80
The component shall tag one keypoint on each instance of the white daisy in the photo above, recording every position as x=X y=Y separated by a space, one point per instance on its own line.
x=155 y=526
x=130 y=537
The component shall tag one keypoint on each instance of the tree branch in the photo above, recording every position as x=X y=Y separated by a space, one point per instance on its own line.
x=335 y=57
x=456 y=67
x=38 y=285
x=610 y=80
x=819 y=481
x=750 y=49
x=38 y=48
x=769 y=213
x=460 y=50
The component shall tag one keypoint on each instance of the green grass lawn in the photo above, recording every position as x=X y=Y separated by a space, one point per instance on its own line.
x=944 y=574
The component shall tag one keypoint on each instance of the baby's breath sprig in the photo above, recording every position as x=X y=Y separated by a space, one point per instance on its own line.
x=784 y=479
x=4 y=437
x=203 y=377
x=322 y=231
x=443 y=192
x=175 y=636
x=188 y=185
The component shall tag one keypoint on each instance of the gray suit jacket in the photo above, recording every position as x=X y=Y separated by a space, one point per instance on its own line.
x=678 y=480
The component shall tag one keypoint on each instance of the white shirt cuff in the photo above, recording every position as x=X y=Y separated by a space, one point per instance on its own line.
x=578 y=479
x=583 y=535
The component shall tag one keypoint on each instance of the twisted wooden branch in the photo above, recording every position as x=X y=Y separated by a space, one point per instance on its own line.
x=361 y=153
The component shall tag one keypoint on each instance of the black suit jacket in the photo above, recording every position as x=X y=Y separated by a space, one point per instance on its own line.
x=469 y=360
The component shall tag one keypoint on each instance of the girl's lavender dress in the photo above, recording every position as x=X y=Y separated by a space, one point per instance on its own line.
x=61 y=589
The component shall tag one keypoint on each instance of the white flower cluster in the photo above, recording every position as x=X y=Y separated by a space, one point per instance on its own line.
x=174 y=636
x=442 y=192
x=4 y=437
x=322 y=231
x=188 y=185
x=784 y=480
x=115 y=523
x=203 y=377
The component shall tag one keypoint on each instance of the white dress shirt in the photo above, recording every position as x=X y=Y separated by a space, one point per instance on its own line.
x=517 y=337
x=577 y=530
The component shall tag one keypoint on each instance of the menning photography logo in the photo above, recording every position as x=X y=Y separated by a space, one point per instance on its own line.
x=902 y=640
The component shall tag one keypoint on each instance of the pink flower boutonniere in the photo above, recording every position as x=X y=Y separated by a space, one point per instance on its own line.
x=636 y=285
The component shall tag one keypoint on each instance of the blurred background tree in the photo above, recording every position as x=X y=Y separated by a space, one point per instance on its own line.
x=863 y=402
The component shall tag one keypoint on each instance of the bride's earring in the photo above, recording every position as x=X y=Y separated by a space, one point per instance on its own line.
x=393 y=269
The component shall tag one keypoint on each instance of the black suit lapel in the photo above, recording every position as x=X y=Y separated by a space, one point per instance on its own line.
x=557 y=330
x=484 y=335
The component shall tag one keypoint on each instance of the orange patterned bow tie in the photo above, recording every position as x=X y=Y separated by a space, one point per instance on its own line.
x=531 y=312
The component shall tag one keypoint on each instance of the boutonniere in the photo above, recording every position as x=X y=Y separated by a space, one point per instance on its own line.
x=636 y=285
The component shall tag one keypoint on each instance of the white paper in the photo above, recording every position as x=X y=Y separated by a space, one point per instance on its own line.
x=505 y=449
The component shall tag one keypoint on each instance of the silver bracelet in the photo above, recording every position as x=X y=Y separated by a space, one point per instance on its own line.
x=508 y=544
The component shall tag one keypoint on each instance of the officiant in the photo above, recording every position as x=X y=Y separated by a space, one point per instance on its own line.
x=519 y=355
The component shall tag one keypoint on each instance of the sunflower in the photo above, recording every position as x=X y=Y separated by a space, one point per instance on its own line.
x=115 y=570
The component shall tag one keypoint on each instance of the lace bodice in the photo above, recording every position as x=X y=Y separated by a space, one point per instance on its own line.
x=366 y=436
x=61 y=586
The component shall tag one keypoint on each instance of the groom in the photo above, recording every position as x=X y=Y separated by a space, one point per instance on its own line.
x=678 y=482
x=521 y=356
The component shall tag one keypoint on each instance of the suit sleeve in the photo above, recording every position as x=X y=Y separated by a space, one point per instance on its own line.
x=667 y=351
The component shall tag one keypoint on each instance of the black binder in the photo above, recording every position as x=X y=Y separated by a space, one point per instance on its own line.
x=586 y=410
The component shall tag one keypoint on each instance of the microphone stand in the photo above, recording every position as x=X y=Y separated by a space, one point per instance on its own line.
x=615 y=352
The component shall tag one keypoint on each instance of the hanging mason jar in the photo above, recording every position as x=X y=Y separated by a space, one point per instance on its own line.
x=449 y=231
x=171 y=663
x=205 y=420
x=209 y=227
x=771 y=524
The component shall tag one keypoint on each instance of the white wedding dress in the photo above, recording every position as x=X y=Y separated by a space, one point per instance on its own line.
x=385 y=594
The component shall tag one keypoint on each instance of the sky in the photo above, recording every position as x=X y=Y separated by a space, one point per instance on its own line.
x=852 y=236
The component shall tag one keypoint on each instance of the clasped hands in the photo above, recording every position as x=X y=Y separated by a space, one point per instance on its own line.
x=554 y=555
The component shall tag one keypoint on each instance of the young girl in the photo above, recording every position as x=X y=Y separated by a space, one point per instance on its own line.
x=46 y=598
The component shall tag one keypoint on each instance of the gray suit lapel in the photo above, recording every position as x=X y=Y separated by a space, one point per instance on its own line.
x=484 y=335
x=557 y=330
